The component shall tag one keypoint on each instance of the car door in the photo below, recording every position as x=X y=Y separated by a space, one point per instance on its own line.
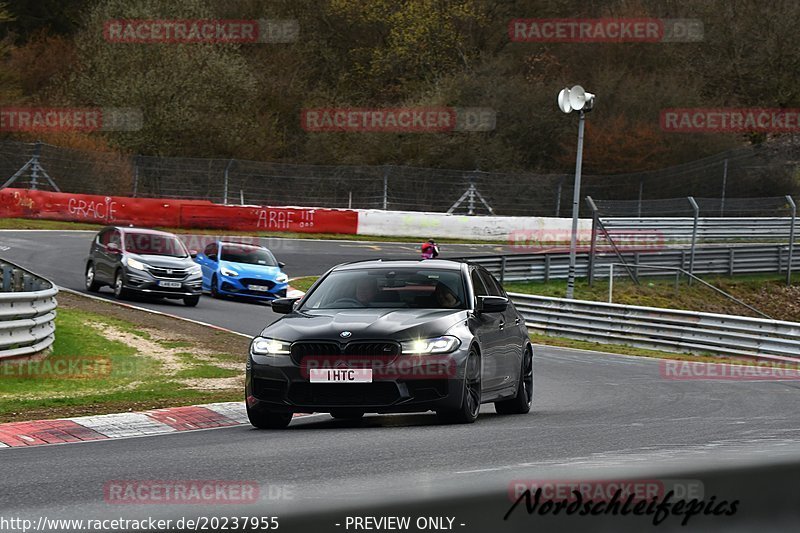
x=510 y=345
x=101 y=256
x=208 y=263
x=490 y=336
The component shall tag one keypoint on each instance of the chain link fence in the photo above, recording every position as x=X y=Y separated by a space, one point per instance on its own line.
x=391 y=187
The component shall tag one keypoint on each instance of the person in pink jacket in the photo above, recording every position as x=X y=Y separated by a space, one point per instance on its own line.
x=430 y=249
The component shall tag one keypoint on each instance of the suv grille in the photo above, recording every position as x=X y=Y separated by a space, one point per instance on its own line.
x=303 y=349
x=167 y=273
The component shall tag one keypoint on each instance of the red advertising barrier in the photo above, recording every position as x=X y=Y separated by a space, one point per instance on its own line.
x=94 y=209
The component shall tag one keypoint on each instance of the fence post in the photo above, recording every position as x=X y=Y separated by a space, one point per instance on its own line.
x=731 y=260
x=696 y=209
x=502 y=269
x=558 y=196
x=610 y=283
x=724 y=186
x=791 y=239
x=135 y=175
x=385 y=187
x=641 y=191
x=592 y=244
x=225 y=183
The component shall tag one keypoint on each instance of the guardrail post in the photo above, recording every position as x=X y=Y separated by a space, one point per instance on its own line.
x=611 y=283
x=502 y=269
x=791 y=239
x=7 y=270
x=696 y=210
x=16 y=280
x=731 y=259
x=592 y=244
x=779 y=250
x=547 y=268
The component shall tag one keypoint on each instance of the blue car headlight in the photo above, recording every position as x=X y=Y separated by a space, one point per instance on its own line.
x=228 y=272
x=281 y=278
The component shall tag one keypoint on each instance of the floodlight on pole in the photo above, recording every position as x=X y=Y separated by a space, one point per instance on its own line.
x=575 y=99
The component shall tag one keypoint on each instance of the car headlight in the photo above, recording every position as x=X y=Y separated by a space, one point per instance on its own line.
x=133 y=263
x=195 y=269
x=281 y=278
x=445 y=344
x=265 y=346
x=228 y=272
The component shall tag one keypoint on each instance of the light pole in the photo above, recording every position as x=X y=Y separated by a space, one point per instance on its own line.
x=575 y=99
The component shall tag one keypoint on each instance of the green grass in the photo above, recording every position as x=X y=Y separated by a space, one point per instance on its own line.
x=88 y=373
x=304 y=283
x=22 y=223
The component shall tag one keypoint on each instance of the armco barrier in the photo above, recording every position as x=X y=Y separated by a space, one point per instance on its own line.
x=27 y=312
x=660 y=329
x=677 y=230
x=151 y=212
x=752 y=259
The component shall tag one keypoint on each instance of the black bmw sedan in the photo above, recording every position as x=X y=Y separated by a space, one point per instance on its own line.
x=392 y=337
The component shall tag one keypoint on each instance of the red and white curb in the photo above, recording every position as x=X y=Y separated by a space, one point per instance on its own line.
x=122 y=425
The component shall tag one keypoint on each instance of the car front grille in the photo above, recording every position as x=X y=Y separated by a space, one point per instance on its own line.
x=167 y=273
x=253 y=281
x=303 y=349
x=355 y=394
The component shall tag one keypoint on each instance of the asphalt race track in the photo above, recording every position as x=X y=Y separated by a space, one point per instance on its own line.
x=606 y=413
x=61 y=256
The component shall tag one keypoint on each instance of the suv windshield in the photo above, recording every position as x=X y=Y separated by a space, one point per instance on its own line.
x=414 y=288
x=248 y=255
x=154 y=244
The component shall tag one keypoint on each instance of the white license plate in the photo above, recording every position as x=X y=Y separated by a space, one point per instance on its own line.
x=340 y=375
x=170 y=284
x=259 y=288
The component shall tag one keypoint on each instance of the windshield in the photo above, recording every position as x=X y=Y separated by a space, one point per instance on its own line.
x=248 y=255
x=154 y=244
x=394 y=288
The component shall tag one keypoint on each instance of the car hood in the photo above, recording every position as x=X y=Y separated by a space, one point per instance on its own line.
x=364 y=324
x=252 y=271
x=163 y=261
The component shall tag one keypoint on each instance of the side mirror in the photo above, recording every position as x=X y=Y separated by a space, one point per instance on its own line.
x=212 y=257
x=281 y=264
x=492 y=304
x=113 y=248
x=284 y=305
x=192 y=253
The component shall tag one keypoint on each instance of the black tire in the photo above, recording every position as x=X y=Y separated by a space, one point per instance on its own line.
x=214 y=289
x=347 y=415
x=521 y=403
x=89 y=278
x=191 y=301
x=263 y=419
x=120 y=292
x=471 y=400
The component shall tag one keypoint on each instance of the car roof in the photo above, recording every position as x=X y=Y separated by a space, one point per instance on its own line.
x=134 y=229
x=441 y=264
x=241 y=244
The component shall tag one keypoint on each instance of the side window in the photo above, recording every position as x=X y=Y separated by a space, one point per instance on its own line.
x=115 y=237
x=492 y=285
x=104 y=236
x=477 y=284
x=211 y=249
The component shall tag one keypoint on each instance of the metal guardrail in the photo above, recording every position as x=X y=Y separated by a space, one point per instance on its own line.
x=707 y=260
x=27 y=312
x=680 y=229
x=660 y=329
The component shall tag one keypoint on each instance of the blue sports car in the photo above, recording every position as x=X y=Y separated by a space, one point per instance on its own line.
x=237 y=269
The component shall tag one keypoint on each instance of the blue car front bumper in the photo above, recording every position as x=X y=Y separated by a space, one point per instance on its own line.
x=252 y=287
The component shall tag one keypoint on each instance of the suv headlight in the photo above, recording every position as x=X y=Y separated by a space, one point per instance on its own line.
x=445 y=344
x=228 y=272
x=195 y=269
x=266 y=346
x=133 y=263
x=281 y=278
